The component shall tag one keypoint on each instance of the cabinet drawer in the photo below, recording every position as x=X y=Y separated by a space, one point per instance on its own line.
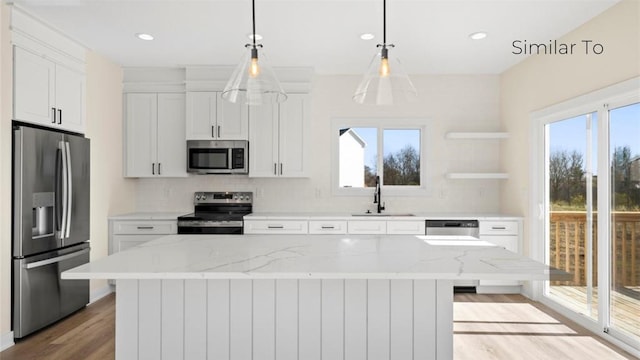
x=327 y=227
x=499 y=227
x=367 y=227
x=145 y=227
x=411 y=227
x=275 y=227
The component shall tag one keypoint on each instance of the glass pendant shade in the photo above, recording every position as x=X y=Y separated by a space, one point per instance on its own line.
x=385 y=82
x=253 y=81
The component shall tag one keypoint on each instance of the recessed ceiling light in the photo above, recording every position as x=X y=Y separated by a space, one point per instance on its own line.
x=478 y=35
x=367 y=36
x=143 y=36
x=258 y=37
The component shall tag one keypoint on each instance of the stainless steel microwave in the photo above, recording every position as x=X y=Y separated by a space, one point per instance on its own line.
x=218 y=156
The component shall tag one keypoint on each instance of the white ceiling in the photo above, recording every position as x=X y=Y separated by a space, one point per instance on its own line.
x=431 y=37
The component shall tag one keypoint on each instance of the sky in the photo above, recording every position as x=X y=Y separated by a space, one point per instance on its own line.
x=624 y=130
x=394 y=140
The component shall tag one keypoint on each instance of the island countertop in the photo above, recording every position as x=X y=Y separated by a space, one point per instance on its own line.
x=311 y=257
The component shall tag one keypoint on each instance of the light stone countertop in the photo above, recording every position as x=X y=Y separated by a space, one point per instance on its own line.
x=164 y=215
x=383 y=216
x=311 y=257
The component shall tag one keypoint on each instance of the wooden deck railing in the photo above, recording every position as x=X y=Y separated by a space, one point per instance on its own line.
x=568 y=246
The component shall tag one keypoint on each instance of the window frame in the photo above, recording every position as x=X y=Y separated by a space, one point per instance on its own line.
x=380 y=124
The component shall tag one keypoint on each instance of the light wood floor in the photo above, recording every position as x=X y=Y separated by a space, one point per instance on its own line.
x=625 y=304
x=485 y=327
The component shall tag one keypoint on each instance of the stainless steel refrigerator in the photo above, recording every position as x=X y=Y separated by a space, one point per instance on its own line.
x=50 y=225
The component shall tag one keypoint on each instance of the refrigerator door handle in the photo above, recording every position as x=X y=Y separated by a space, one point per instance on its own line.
x=57 y=259
x=58 y=200
x=69 y=190
x=65 y=187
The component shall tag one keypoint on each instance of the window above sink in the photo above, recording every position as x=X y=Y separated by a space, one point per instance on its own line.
x=390 y=148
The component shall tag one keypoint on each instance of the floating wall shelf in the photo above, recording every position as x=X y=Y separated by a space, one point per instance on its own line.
x=476 y=135
x=477 y=176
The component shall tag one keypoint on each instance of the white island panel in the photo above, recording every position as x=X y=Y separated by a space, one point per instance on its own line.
x=348 y=319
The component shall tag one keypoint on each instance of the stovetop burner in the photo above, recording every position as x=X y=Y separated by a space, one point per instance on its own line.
x=217 y=213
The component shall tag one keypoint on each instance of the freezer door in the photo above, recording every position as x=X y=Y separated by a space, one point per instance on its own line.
x=77 y=220
x=36 y=166
x=40 y=297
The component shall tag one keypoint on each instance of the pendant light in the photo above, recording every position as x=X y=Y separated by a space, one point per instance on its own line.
x=253 y=81
x=385 y=83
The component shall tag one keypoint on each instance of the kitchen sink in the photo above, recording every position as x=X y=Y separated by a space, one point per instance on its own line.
x=385 y=215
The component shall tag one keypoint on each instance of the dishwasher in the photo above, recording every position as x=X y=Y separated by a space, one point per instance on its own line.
x=458 y=231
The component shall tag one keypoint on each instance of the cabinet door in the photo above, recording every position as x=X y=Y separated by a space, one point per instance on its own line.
x=140 y=132
x=201 y=116
x=327 y=227
x=263 y=141
x=33 y=86
x=293 y=130
x=276 y=227
x=407 y=227
x=232 y=120
x=70 y=99
x=366 y=227
x=172 y=146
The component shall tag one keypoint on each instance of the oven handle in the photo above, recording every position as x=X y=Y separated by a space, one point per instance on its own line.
x=212 y=225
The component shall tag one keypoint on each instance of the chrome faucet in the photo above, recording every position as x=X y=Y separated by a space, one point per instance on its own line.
x=377 y=196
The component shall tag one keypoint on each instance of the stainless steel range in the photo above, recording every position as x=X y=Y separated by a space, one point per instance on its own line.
x=217 y=213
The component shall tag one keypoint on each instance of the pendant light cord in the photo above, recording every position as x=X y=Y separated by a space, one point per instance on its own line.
x=253 y=13
x=384 y=22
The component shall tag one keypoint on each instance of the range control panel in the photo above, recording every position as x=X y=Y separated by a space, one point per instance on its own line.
x=228 y=197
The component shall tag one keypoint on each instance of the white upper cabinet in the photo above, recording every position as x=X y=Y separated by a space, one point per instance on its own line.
x=209 y=117
x=49 y=80
x=155 y=135
x=47 y=93
x=278 y=138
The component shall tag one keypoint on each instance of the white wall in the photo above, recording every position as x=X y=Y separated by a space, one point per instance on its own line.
x=446 y=103
x=110 y=193
x=544 y=80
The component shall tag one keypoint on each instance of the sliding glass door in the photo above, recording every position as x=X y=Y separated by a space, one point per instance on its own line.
x=589 y=196
x=571 y=222
x=624 y=155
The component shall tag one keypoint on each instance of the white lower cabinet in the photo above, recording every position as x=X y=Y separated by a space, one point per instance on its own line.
x=125 y=234
x=367 y=227
x=505 y=234
x=403 y=227
x=276 y=227
x=327 y=227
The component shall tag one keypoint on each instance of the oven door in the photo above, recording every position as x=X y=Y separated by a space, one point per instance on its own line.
x=210 y=227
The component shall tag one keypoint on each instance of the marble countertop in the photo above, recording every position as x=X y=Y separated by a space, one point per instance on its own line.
x=164 y=215
x=311 y=257
x=385 y=215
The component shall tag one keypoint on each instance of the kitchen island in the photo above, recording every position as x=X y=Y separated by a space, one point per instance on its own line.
x=295 y=296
